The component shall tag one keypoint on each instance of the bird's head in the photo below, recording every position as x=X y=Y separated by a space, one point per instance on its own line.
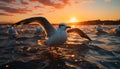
x=119 y=26
x=11 y=27
x=63 y=26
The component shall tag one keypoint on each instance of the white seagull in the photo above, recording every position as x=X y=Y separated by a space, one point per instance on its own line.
x=55 y=36
x=12 y=32
x=99 y=28
x=38 y=31
x=117 y=30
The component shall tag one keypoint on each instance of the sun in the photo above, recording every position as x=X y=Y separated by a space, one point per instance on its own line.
x=73 y=19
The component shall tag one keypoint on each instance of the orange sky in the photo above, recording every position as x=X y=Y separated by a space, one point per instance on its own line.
x=57 y=11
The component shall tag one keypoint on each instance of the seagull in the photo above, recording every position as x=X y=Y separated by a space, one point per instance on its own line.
x=117 y=30
x=99 y=28
x=39 y=31
x=55 y=36
x=12 y=32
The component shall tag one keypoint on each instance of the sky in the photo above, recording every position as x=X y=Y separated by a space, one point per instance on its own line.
x=58 y=11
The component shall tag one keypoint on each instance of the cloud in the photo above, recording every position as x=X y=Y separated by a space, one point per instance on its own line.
x=14 y=10
x=24 y=2
x=26 y=6
x=53 y=3
x=107 y=0
x=38 y=7
x=8 y=1
x=38 y=14
x=58 y=4
x=6 y=14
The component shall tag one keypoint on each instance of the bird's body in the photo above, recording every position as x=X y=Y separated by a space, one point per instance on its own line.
x=59 y=37
x=117 y=31
x=12 y=32
x=39 y=32
x=99 y=28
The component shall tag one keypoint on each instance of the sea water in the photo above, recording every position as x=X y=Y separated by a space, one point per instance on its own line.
x=11 y=49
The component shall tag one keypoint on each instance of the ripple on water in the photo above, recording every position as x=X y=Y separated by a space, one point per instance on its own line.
x=113 y=43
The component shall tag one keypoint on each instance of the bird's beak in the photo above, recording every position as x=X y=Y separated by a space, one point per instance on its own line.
x=68 y=27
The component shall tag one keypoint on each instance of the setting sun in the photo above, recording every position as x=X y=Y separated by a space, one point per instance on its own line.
x=73 y=19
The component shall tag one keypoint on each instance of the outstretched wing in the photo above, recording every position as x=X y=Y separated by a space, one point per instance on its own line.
x=43 y=21
x=80 y=32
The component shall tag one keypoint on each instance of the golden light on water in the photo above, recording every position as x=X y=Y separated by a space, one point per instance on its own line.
x=73 y=55
x=73 y=26
x=70 y=55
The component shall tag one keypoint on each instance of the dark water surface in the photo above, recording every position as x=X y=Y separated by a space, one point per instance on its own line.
x=26 y=52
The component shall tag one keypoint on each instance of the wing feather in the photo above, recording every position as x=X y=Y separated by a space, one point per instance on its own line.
x=80 y=32
x=43 y=21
